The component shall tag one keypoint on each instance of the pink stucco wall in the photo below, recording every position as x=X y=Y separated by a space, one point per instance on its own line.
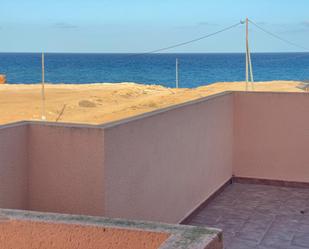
x=271 y=136
x=13 y=166
x=160 y=167
x=66 y=169
x=53 y=168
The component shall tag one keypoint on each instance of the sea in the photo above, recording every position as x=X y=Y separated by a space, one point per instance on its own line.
x=193 y=69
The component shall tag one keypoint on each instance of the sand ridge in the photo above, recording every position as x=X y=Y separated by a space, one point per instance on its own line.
x=103 y=102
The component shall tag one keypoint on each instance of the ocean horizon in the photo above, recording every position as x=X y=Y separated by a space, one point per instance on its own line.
x=195 y=69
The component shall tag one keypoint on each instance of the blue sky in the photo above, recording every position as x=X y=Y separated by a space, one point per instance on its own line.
x=143 y=25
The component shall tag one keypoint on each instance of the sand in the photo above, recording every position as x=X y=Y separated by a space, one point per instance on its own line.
x=105 y=102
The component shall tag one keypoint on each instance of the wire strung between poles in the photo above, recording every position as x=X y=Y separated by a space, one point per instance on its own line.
x=278 y=37
x=190 y=41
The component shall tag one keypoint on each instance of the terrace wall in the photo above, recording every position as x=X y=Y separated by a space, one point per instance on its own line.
x=271 y=136
x=13 y=166
x=28 y=230
x=160 y=167
x=66 y=169
x=51 y=235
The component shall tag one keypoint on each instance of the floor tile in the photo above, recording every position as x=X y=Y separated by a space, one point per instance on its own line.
x=259 y=217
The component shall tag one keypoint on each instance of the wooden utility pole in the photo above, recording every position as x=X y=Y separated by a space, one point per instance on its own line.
x=43 y=117
x=247 y=62
x=248 y=59
x=177 y=78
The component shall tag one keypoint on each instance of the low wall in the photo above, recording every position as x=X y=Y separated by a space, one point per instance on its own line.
x=271 y=136
x=13 y=166
x=27 y=230
x=52 y=167
x=19 y=234
x=162 y=166
x=66 y=169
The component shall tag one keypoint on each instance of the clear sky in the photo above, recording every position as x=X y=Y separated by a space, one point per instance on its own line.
x=143 y=25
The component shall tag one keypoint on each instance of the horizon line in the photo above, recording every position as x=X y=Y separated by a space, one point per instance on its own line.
x=141 y=53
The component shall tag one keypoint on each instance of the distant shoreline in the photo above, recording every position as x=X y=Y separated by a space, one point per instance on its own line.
x=143 y=84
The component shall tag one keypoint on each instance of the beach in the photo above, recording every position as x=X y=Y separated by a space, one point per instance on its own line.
x=105 y=102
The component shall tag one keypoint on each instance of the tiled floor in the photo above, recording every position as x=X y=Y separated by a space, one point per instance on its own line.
x=259 y=217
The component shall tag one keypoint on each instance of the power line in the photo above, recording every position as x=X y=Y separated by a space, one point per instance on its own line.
x=190 y=41
x=278 y=37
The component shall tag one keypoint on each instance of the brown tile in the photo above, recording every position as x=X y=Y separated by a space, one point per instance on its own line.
x=277 y=238
x=240 y=244
x=206 y=220
x=253 y=231
x=259 y=216
x=301 y=239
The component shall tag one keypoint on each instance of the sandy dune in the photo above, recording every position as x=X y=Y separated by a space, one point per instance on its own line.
x=100 y=103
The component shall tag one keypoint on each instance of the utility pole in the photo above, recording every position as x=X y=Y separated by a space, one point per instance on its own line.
x=247 y=63
x=248 y=59
x=43 y=117
x=177 y=78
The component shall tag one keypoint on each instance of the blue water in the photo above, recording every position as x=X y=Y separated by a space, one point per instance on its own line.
x=194 y=69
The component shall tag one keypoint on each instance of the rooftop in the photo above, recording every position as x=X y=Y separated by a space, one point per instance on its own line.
x=170 y=166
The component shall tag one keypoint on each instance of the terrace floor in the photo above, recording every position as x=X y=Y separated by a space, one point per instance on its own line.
x=259 y=217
